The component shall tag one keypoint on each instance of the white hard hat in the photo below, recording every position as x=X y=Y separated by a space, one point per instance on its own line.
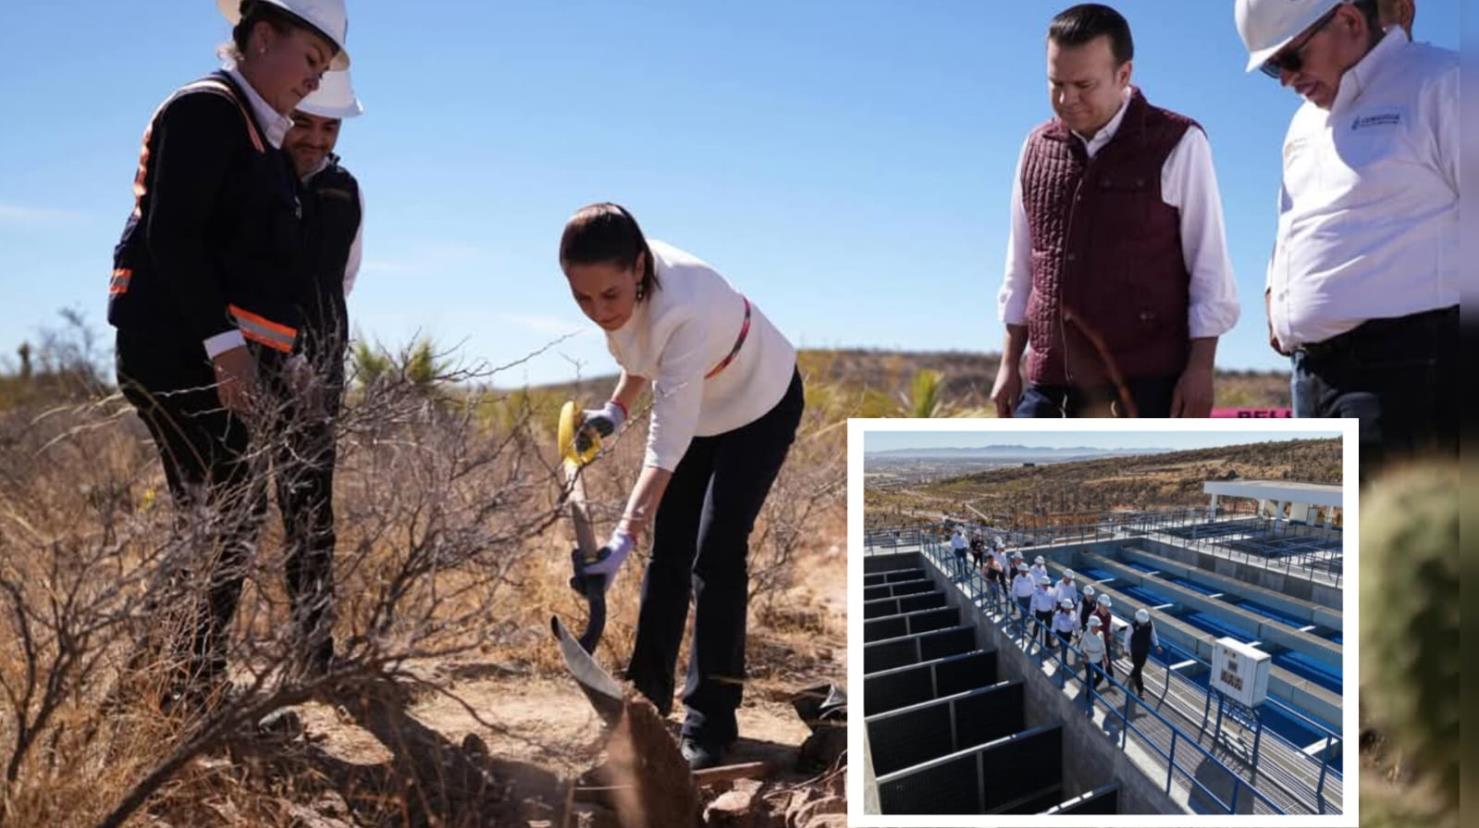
x=1267 y=26
x=1089 y=589
x=334 y=98
x=1104 y=600
x=1066 y=604
x=1021 y=567
x=1038 y=559
x=1043 y=580
x=1068 y=573
x=327 y=16
x=1094 y=621
x=1142 y=615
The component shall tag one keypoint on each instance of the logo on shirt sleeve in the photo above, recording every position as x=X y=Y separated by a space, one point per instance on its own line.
x=1376 y=120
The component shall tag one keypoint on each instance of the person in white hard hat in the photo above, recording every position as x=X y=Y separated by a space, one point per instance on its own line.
x=1102 y=611
x=1043 y=605
x=1096 y=655
x=1039 y=567
x=1363 y=284
x=1065 y=624
x=1118 y=282
x=1139 y=638
x=207 y=294
x=996 y=576
x=1022 y=589
x=727 y=398
x=303 y=468
x=958 y=545
x=1086 y=608
x=1066 y=590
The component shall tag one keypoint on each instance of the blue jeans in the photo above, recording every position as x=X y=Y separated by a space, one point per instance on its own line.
x=1152 y=398
x=1398 y=376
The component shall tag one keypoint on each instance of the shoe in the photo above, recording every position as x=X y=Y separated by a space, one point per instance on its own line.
x=701 y=755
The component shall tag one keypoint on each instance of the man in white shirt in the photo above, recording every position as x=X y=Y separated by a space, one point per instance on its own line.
x=1362 y=288
x=1118 y=282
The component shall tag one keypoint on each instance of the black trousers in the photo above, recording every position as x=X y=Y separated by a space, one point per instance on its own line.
x=1137 y=670
x=1152 y=398
x=1046 y=620
x=303 y=471
x=219 y=497
x=1398 y=376
x=700 y=543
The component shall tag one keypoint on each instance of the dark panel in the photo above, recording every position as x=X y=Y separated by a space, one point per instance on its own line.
x=950 y=788
x=907 y=739
x=892 y=563
x=891 y=654
x=941 y=644
x=895 y=690
x=979 y=719
x=875 y=580
x=934 y=620
x=880 y=628
x=905 y=575
x=1034 y=803
x=1023 y=765
x=967 y=673
x=912 y=588
x=874 y=593
x=928 y=600
x=878 y=609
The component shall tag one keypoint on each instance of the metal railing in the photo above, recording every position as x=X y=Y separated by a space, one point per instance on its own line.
x=1030 y=629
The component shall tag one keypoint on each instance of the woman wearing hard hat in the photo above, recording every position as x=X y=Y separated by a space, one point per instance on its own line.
x=727 y=400
x=1139 y=638
x=1065 y=624
x=206 y=287
x=304 y=467
x=1096 y=655
x=1102 y=612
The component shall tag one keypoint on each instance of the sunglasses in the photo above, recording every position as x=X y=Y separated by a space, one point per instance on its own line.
x=1290 y=58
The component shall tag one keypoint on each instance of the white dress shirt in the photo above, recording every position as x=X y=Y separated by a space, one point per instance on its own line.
x=1369 y=206
x=681 y=331
x=1022 y=586
x=1043 y=601
x=1189 y=184
x=1067 y=591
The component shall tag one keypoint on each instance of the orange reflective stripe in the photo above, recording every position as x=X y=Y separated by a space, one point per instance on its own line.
x=740 y=340
x=119 y=283
x=211 y=85
x=264 y=331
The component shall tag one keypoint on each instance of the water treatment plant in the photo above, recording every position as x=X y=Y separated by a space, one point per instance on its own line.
x=966 y=712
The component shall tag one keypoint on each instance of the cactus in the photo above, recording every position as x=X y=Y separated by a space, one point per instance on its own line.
x=1410 y=653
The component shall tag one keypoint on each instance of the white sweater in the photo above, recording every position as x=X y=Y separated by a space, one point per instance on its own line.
x=679 y=333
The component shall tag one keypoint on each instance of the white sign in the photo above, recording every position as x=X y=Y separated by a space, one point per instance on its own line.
x=1240 y=671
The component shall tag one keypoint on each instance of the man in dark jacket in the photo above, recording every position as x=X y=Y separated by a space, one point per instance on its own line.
x=304 y=464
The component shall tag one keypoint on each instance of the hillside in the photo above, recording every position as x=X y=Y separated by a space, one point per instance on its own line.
x=1158 y=481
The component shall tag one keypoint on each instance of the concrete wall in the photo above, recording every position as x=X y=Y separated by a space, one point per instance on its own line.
x=1313 y=612
x=1298 y=586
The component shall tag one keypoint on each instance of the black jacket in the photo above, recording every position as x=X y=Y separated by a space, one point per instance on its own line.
x=331 y=221
x=215 y=237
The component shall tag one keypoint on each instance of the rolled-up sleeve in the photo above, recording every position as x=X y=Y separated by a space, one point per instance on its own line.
x=1189 y=183
x=1016 y=285
x=677 y=395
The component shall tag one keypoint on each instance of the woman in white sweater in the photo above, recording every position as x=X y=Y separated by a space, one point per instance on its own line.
x=726 y=402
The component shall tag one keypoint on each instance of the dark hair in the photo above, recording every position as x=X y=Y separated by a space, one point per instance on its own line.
x=605 y=233
x=1087 y=21
x=1371 y=10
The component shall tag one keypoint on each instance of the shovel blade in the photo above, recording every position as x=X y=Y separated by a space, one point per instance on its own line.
x=603 y=692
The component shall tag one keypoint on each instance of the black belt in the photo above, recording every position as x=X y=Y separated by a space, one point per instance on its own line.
x=1381 y=330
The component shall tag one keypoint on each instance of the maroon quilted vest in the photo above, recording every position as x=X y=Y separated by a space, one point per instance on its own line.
x=1107 y=247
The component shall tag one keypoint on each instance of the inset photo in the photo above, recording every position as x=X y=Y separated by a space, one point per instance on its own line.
x=1102 y=623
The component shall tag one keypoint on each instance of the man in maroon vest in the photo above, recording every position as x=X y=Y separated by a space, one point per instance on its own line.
x=1118 y=281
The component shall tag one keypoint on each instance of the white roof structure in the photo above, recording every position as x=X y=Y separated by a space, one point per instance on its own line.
x=1313 y=494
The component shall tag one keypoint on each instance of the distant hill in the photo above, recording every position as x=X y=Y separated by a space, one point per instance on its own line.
x=1007 y=452
x=1143 y=482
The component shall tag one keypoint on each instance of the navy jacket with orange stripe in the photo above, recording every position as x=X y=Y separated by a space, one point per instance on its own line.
x=215 y=237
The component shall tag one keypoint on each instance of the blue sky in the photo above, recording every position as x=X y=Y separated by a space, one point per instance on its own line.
x=1176 y=440
x=847 y=165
